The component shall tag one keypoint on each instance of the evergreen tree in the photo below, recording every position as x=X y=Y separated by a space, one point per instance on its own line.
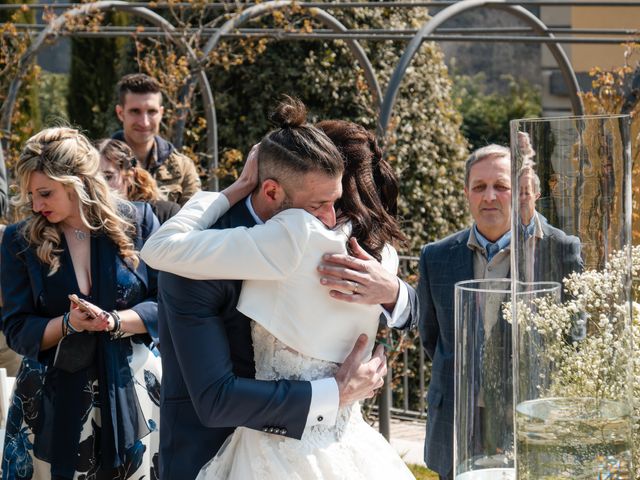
x=96 y=67
x=26 y=118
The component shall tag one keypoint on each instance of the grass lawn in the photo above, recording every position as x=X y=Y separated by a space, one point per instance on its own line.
x=422 y=473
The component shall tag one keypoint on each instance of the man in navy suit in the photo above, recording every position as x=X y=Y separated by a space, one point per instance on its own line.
x=208 y=385
x=482 y=251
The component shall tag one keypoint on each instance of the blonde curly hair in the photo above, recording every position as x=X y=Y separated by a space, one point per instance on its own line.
x=67 y=156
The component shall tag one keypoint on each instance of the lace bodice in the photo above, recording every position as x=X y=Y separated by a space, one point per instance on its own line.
x=275 y=361
x=349 y=449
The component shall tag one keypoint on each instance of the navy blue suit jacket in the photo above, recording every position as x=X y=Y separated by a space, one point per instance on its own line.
x=208 y=385
x=442 y=265
x=32 y=296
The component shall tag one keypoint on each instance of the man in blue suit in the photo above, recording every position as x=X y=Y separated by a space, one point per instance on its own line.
x=482 y=251
x=208 y=384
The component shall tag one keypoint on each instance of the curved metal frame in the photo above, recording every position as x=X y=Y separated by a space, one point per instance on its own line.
x=448 y=13
x=198 y=62
x=384 y=105
x=326 y=18
x=118 y=5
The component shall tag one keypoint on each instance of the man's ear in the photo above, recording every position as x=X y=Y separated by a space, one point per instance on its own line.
x=120 y=112
x=272 y=191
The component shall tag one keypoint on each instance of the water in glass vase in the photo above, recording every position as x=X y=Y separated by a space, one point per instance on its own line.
x=573 y=438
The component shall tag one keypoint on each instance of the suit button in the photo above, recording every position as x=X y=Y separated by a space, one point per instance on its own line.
x=283 y=431
x=276 y=431
x=265 y=429
x=271 y=429
x=320 y=418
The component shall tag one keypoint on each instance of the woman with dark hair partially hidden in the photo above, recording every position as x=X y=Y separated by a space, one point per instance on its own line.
x=299 y=331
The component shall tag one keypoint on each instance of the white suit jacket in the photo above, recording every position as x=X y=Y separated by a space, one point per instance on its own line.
x=278 y=261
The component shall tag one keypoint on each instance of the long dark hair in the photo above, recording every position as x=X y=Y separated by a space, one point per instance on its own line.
x=369 y=187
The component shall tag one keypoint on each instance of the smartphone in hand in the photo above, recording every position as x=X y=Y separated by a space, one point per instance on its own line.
x=81 y=305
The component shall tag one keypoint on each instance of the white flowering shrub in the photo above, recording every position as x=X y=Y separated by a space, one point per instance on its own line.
x=588 y=340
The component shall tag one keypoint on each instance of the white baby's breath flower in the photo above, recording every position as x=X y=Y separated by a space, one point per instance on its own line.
x=592 y=339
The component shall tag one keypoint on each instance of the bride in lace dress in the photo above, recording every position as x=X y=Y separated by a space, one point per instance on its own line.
x=299 y=332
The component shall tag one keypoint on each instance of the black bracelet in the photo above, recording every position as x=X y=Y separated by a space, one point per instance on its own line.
x=65 y=329
x=116 y=332
x=67 y=323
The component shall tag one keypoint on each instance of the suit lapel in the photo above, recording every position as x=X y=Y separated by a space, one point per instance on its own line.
x=461 y=258
x=237 y=216
x=241 y=216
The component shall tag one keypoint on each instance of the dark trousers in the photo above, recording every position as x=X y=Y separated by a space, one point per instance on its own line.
x=446 y=477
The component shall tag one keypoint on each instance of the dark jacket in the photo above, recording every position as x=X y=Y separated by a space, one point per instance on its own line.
x=175 y=173
x=442 y=265
x=208 y=385
x=32 y=298
x=164 y=209
x=4 y=193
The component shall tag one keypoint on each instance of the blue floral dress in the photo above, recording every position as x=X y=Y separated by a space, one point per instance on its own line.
x=100 y=422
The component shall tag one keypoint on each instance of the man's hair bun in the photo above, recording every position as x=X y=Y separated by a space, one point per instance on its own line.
x=290 y=113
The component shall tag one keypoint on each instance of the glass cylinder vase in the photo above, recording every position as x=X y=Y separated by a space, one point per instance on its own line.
x=571 y=223
x=483 y=389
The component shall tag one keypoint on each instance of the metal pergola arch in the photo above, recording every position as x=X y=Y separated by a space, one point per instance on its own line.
x=51 y=32
x=490 y=34
x=326 y=18
x=386 y=102
x=329 y=20
x=360 y=4
x=452 y=11
x=197 y=63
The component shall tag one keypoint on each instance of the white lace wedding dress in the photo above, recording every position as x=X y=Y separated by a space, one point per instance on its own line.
x=350 y=449
x=291 y=314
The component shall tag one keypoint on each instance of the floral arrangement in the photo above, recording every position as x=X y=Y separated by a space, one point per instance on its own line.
x=588 y=338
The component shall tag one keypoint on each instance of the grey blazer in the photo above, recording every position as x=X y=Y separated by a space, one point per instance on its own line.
x=442 y=264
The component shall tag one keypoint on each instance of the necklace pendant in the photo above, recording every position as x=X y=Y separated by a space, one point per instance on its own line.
x=79 y=234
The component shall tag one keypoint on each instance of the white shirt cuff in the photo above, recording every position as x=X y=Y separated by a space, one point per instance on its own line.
x=325 y=400
x=398 y=318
